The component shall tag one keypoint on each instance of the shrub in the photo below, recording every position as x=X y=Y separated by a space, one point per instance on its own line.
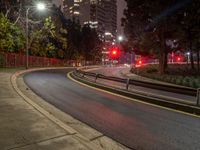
x=2 y=60
x=152 y=70
x=177 y=74
x=163 y=78
x=186 y=81
x=173 y=80
x=197 y=84
x=193 y=84
x=179 y=80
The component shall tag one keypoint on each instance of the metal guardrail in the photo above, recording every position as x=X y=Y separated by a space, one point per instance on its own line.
x=128 y=82
x=198 y=97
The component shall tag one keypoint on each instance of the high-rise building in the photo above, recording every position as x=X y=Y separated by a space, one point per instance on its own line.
x=111 y=16
x=71 y=8
x=99 y=14
x=58 y=3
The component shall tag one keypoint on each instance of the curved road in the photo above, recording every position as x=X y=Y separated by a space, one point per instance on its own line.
x=136 y=125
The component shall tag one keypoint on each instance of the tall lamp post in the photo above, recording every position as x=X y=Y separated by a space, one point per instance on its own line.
x=188 y=57
x=40 y=7
x=120 y=38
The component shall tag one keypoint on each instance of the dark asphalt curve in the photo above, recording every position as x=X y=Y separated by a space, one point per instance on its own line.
x=136 y=125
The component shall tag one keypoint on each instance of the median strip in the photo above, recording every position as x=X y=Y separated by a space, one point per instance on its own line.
x=169 y=105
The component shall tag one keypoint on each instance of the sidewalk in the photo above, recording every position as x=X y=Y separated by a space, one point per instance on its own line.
x=23 y=127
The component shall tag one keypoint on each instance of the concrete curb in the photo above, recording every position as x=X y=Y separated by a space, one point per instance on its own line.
x=33 y=104
x=167 y=104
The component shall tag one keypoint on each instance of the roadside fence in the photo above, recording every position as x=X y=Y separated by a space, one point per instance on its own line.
x=8 y=60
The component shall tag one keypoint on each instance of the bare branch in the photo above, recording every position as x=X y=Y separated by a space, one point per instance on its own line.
x=19 y=14
x=7 y=12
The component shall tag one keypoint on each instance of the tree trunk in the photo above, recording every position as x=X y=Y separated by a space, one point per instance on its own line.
x=163 y=53
x=192 y=59
x=161 y=63
x=198 y=61
x=191 y=50
x=165 y=60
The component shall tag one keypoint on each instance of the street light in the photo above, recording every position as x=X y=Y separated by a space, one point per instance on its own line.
x=188 y=57
x=40 y=7
x=120 y=38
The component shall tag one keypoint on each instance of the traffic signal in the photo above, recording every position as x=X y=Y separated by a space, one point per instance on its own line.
x=114 y=52
x=179 y=58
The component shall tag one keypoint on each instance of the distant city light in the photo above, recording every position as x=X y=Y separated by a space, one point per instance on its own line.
x=108 y=34
x=77 y=13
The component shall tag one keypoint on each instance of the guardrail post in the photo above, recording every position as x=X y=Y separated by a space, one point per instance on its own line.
x=198 y=96
x=96 y=77
x=83 y=74
x=127 y=83
x=76 y=71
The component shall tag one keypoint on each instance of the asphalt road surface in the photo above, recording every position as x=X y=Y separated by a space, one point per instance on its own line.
x=136 y=125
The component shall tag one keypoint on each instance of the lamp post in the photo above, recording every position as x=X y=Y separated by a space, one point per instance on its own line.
x=40 y=7
x=120 y=39
x=188 y=57
x=172 y=57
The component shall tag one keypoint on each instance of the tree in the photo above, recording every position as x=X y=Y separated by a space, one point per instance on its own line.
x=48 y=41
x=189 y=22
x=91 y=44
x=73 y=51
x=11 y=37
x=149 y=24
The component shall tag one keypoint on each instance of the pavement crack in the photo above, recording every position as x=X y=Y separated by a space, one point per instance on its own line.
x=95 y=138
x=40 y=141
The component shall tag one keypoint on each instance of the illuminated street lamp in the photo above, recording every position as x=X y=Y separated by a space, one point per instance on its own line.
x=41 y=7
x=120 y=38
x=188 y=57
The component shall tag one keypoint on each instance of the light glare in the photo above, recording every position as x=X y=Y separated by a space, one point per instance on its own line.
x=41 y=6
x=120 y=38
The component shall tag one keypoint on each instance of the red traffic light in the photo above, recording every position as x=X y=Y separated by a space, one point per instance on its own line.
x=179 y=58
x=114 y=52
x=140 y=62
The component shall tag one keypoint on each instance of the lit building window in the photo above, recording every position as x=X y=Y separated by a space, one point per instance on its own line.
x=77 y=13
